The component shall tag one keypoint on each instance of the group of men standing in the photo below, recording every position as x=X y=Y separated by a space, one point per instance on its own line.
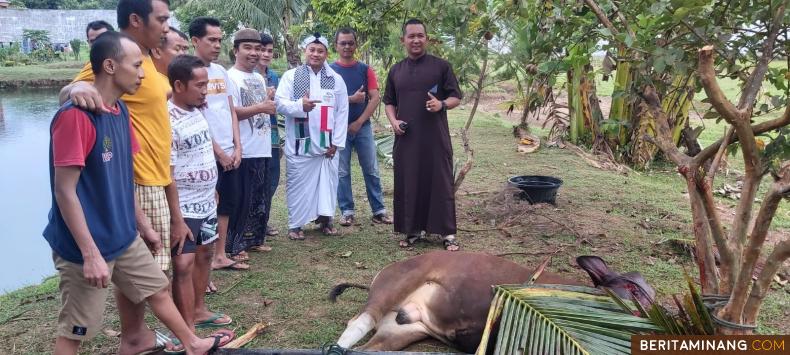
x=315 y=98
x=197 y=160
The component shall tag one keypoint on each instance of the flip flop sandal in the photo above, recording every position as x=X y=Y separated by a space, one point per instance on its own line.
x=216 y=345
x=239 y=258
x=408 y=241
x=160 y=343
x=224 y=333
x=272 y=232
x=211 y=321
x=236 y=266
x=261 y=248
x=296 y=234
x=450 y=244
x=329 y=231
x=173 y=340
x=381 y=218
x=347 y=221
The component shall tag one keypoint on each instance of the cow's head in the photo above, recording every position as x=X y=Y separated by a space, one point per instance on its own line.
x=631 y=285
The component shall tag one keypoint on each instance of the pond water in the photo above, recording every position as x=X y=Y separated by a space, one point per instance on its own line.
x=24 y=186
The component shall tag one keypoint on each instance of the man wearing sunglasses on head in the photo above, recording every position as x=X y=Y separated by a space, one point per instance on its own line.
x=363 y=99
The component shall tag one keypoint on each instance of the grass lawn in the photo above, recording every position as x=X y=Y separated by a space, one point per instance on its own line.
x=625 y=219
x=34 y=75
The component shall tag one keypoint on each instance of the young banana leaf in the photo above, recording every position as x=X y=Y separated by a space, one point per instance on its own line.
x=384 y=146
x=559 y=319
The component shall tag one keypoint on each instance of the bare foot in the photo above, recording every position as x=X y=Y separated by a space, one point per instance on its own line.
x=221 y=261
x=211 y=288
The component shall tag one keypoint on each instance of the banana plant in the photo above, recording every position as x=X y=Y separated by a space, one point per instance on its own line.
x=384 y=146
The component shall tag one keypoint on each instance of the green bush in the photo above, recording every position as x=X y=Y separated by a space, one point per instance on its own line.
x=76 y=44
x=10 y=53
x=43 y=55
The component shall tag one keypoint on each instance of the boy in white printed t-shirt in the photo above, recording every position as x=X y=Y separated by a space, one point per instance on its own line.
x=194 y=172
x=206 y=37
x=256 y=105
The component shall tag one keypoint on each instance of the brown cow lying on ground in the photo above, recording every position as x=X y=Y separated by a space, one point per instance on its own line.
x=446 y=296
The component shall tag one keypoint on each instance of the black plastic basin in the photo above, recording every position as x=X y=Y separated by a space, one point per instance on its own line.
x=536 y=188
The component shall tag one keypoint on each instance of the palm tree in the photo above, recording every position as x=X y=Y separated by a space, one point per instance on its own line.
x=276 y=16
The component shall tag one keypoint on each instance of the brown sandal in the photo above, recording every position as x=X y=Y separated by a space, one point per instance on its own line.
x=296 y=234
x=381 y=218
x=326 y=226
x=261 y=248
x=329 y=230
x=347 y=220
x=240 y=258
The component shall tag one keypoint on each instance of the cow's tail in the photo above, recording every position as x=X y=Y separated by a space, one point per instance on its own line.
x=340 y=288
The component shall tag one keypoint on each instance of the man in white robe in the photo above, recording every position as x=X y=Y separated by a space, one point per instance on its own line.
x=314 y=101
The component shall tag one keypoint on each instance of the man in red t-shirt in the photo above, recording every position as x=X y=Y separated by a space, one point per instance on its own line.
x=363 y=99
x=92 y=228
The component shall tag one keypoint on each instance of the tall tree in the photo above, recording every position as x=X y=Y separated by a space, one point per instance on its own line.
x=42 y=4
x=742 y=244
x=278 y=17
x=88 y=4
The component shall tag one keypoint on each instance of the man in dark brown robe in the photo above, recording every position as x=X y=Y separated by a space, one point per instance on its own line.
x=420 y=89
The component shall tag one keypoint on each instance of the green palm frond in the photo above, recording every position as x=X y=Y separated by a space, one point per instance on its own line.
x=260 y=14
x=560 y=319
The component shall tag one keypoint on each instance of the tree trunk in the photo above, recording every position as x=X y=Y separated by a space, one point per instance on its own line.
x=677 y=103
x=644 y=131
x=584 y=109
x=292 y=53
x=470 y=153
x=527 y=107
x=620 y=111
x=740 y=248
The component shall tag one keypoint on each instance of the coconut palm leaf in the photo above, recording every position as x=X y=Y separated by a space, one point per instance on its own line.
x=260 y=14
x=560 y=319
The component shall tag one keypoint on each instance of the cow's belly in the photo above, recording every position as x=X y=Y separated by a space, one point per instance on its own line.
x=442 y=313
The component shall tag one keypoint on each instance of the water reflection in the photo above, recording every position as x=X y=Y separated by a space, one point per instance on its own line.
x=2 y=118
x=24 y=186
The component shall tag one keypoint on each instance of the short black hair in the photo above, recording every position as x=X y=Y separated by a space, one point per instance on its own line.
x=141 y=8
x=179 y=33
x=345 y=31
x=97 y=25
x=197 y=28
x=413 y=21
x=181 y=68
x=266 y=39
x=107 y=46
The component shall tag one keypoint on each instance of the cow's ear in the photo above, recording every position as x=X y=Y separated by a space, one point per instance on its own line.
x=595 y=267
x=637 y=278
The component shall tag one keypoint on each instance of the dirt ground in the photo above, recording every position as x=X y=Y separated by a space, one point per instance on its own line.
x=633 y=221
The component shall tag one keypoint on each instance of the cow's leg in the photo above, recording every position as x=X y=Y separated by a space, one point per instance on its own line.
x=391 y=336
x=356 y=330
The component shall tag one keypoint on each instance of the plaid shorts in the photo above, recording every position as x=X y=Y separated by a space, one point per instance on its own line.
x=153 y=202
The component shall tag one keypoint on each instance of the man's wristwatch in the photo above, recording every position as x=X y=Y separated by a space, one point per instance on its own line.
x=444 y=105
